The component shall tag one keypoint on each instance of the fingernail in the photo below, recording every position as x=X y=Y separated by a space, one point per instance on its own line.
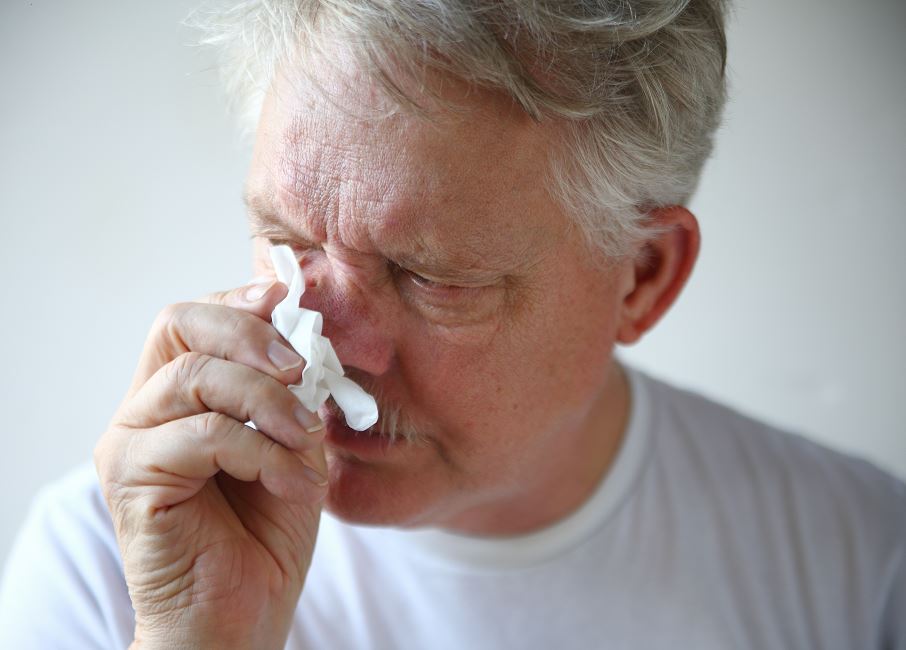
x=309 y=421
x=314 y=476
x=258 y=289
x=282 y=357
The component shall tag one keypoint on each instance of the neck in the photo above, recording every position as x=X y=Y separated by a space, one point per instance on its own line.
x=568 y=474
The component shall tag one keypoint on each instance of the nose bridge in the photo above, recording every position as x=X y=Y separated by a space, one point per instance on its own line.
x=360 y=331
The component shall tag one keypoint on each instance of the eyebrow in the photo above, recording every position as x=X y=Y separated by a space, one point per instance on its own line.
x=264 y=222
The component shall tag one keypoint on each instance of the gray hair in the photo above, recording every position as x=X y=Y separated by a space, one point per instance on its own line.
x=636 y=86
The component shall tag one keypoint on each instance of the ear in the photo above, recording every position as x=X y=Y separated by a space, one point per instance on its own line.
x=658 y=272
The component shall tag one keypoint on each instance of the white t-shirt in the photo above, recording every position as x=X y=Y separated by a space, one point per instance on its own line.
x=709 y=531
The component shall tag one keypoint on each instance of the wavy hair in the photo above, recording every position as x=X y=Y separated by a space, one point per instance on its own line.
x=637 y=86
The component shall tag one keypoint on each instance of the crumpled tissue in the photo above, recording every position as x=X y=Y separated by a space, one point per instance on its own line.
x=323 y=374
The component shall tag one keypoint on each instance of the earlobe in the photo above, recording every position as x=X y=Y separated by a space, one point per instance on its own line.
x=659 y=272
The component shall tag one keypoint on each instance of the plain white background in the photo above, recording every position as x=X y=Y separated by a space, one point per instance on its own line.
x=120 y=178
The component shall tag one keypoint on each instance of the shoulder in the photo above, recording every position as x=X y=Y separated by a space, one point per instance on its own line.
x=722 y=444
x=63 y=582
x=781 y=504
x=70 y=516
x=74 y=502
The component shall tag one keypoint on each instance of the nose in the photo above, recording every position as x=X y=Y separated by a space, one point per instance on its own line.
x=360 y=332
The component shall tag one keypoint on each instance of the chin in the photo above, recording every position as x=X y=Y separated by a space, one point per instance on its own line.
x=379 y=495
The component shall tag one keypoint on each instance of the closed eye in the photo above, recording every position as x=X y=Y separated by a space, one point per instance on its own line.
x=429 y=290
x=427 y=283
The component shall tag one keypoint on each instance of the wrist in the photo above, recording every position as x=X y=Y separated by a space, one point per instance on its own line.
x=202 y=637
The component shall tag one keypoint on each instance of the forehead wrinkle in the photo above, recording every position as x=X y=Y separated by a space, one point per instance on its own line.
x=420 y=215
x=319 y=176
x=302 y=186
x=346 y=213
x=403 y=230
x=344 y=185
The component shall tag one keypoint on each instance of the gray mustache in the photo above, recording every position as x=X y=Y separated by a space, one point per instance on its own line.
x=393 y=422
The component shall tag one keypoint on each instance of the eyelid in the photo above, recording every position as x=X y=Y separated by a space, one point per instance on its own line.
x=436 y=295
x=420 y=279
x=424 y=282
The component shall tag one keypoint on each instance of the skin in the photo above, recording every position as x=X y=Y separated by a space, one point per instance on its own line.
x=451 y=282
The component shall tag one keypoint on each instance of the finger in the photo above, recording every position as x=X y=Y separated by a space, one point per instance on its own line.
x=195 y=383
x=218 y=331
x=176 y=459
x=259 y=297
x=288 y=529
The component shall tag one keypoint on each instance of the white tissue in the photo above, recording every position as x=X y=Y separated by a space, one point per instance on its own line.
x=323 y=374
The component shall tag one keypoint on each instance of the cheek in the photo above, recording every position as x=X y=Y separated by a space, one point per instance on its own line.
x=532 y=379
x=536 y=377
x=465 y=396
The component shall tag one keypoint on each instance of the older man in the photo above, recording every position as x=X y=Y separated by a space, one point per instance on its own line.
x=484 y=198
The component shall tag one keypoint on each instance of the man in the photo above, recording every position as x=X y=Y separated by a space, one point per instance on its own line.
x=484 y=198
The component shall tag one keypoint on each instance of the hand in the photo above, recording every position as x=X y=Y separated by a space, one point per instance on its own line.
x=216 y=522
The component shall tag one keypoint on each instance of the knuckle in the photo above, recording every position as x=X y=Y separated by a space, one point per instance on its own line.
x=240 y=325
x=106 y=449
x=168 y=325
x=270 y=448
x=208 y=427
x=100 y=455
x=166 y=316
x=185 y=371
x=216 y=298
x=262 y=394
x=264 y=386
x=109 y=462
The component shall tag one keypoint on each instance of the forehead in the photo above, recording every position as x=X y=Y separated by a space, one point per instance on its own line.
x=337 y=163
